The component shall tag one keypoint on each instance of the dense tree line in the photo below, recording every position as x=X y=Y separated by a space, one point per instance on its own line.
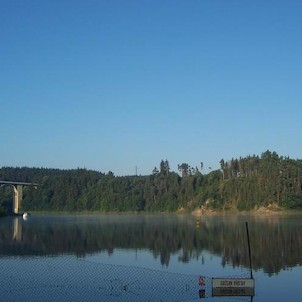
x=244 y=183
x=253 y=181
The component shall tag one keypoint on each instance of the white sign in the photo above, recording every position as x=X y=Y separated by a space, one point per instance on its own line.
x=232 y=282
x=233 y=287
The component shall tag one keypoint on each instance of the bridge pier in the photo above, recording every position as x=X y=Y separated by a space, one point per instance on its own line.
x=18 y=192
x=18 y=195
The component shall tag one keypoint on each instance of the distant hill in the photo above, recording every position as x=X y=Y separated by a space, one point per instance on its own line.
x=245 y=183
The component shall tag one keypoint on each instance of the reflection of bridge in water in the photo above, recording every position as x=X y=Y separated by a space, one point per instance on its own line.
x=18 y=192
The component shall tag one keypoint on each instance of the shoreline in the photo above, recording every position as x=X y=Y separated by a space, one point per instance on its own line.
x=260 y=212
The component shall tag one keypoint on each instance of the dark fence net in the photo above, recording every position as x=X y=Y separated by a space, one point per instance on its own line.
x=73 y=279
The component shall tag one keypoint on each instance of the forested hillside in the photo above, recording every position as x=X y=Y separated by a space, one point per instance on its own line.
x=242 y=183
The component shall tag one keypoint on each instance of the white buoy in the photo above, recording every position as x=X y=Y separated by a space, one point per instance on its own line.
x=25 y=216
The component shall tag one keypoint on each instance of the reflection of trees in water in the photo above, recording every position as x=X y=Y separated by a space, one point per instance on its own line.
x=276 y=242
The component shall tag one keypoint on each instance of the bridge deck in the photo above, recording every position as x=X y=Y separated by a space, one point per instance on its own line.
x=17 y=183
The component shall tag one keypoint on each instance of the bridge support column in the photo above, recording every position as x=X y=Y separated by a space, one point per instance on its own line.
x=18 y=194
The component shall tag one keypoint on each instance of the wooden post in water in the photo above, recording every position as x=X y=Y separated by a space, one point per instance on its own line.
x=248 y=242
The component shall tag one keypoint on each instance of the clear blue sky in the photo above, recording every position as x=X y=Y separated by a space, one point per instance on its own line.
x=115 y=84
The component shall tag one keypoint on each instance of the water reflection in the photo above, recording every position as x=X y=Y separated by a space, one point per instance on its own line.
x=276 y=241
x=17 y=229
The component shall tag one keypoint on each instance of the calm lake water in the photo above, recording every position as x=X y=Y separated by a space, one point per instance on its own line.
x=147 y=257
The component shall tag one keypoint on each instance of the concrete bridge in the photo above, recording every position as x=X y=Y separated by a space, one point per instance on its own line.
x=18 y=192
